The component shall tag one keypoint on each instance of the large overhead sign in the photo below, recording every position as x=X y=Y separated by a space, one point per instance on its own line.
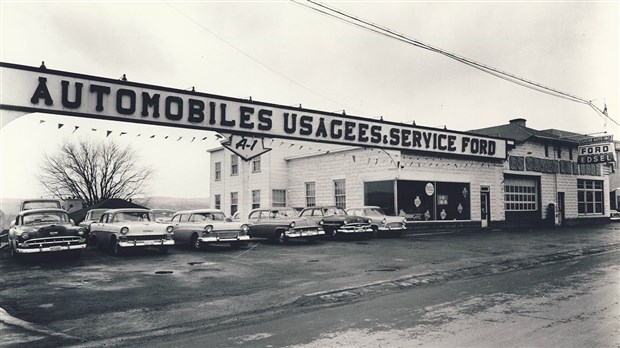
x=596 y=150
x=31 y=89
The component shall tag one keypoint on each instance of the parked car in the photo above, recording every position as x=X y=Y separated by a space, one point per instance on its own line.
x=208 y=226
x=45 y=230
x=40 y=203
x=336 y=221
x=92 y=216
x=281 y=225
x=379 y=221
x=163 y=215
x=614 y=215
x=120 y=229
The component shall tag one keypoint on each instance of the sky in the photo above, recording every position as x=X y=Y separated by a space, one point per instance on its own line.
x=280 y=52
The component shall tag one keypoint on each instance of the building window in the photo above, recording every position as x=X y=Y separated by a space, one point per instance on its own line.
x=520 y=198
x=218 y=171
x=279 y=198
x=340 y=193
x=234 y=200
x=546 y=150
x=570 y=153
x=218 y=202
x=255 y=199
x=234 y=164
x=310 y=194
x=589 y=197
x=256 y=164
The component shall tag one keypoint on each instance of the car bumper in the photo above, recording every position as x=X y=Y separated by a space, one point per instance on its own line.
x=47 y=249
x=356 y=229
x=303 y=233
x=391 y=228
x=145 y=243
x=224 y=240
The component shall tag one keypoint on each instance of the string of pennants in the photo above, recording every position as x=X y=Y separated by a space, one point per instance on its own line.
x=381 y=158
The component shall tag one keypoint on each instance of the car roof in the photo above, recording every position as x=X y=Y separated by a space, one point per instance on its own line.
x=157 y=209
x=324 y=207
x=365 y=207
x=42 y=210
x=128 y=210
x=196 y=211
x=98 y=209
x=272 y=208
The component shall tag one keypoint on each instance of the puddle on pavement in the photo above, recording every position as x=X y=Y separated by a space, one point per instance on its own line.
x=361 y=243
x=200 y=263
x=313 y=261
x=164 y=272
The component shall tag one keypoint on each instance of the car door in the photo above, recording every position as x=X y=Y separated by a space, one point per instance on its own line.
x=182 y=228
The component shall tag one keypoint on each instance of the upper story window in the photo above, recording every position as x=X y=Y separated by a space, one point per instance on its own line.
x=256 y=164
x=218 y=171
x=234 y=164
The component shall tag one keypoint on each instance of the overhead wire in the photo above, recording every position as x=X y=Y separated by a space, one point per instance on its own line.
x=350 y=19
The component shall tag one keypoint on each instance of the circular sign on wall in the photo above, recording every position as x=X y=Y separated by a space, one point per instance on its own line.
x=430 y=189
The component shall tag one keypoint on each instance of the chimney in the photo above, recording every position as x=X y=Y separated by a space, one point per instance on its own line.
x=518 y=122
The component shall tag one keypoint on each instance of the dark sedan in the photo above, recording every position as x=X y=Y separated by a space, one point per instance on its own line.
x=336 y=221
x=282 y=225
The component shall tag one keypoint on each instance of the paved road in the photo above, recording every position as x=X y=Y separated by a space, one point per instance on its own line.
x=568 y=304
x=100 y=299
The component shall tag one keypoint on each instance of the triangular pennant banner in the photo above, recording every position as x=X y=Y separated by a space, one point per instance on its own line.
x=76 y=128
x=122 y=133
x=41 y=121
x=109 y=132
x=60 y=125
x=93 y=129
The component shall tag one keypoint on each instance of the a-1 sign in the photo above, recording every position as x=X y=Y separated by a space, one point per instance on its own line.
x=30 y=89
x=245 y=147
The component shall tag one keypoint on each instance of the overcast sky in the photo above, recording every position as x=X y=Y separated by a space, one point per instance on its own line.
x=282 y=53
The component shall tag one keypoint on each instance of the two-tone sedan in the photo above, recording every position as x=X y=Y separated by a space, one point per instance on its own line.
x=208 y=226
x=379 y=221
x=45 y=230
x=281 y=225
x=121 y=229
x=91 y=217
x=336 y=221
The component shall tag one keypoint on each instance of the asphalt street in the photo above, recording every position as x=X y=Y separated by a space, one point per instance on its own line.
x=105 y=300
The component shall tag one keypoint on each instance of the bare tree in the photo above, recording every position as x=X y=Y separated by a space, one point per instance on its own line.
x=93 y=171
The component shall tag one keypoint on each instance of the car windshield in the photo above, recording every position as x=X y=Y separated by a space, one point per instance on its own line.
x=96 y=214
x=333 y=211
x=283 y=213
x=133 y=216
x=45 y=217
x=213 y=216
x=41 y=205
x=373 y=212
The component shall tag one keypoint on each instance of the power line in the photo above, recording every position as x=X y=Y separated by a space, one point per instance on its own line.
x=364 y=24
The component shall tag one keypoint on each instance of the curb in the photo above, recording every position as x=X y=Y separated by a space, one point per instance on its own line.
x=355 y=293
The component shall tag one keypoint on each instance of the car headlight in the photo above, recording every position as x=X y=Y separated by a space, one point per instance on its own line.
x=321 y=222
x=245 y=228
x=169 y=229
x=369 y=220
x=292 y=224
x=384 y=221
x=80 y=231
x=124 y=230
x=208 y=228
x=25 y=235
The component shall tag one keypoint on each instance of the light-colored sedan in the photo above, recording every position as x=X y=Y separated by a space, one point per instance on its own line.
x=379 y=221
x=208 y=226
x=120 y=229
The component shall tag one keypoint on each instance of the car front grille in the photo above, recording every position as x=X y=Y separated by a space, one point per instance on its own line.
x=52 y=241
x=224 y=235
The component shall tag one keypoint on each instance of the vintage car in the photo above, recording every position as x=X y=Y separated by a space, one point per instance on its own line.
x=163 y=215
x=120 y=229
x=208 y=226
x=40 y=203
x=380 y=222
x=45 y=230
x=281 y=225
x=92 y=216
x=336 y=221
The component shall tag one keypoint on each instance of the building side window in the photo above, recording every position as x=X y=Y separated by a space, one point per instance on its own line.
x=520 y=198
x=570 y=153
x=218 y=202
x=255 y=199
x=546 y=150
x=256 y=164
x=310 y=194
x=340 y=193
x=234 y=165
x=278 y=198
x=589 y=197
x=234 y=200
x=218 y=171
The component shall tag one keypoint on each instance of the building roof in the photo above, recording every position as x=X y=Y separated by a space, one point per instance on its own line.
x=517 y=130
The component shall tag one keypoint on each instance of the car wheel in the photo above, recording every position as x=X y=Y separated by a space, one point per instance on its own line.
x=116 y=249
x=375 y=231
x=163 y=249
x=195 y=243
x=99 y=243
x=282 y=238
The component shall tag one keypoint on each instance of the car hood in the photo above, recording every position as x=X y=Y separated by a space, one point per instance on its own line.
x=51 y=230
x=219 y=225
x=303 y=222
x=349 y=219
